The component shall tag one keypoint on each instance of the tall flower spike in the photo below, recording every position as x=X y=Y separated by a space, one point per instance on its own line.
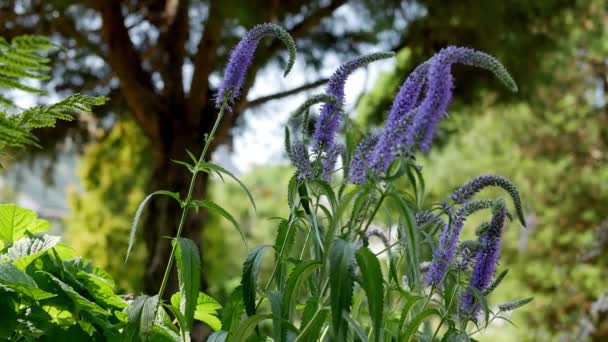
x=295 y=119
x=241 y=57
x=477 y=184
x=329 y=119
x=448 y=241
x=393 y=135
x=439 y=88
x=299 y=158
x=357 y=172
x=487 y=259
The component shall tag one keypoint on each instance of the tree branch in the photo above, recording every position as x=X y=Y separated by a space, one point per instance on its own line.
x=282 y=94
x=204 y=61
x=126 y=64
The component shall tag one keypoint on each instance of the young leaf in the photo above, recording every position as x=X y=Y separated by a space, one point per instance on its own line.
x=140 y=209
x=188 y=273
x=206 y=309
x=341 y=258
x=249 y=278
x=26 y=250
x=372 y=283
x=221 y=211
x=141 y=318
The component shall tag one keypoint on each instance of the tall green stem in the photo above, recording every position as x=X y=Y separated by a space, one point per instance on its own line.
x=188 y=201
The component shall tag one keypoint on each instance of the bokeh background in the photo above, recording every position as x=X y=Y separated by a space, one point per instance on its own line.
x=159 y=62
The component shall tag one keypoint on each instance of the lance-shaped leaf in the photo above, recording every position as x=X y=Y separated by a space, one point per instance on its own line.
x=250 y=276
x=341 y=258
x=221 y=211
x=141 y=318
x=372 y=283
x=188 y=274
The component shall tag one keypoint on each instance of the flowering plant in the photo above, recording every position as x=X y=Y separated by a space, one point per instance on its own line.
x=329 y=281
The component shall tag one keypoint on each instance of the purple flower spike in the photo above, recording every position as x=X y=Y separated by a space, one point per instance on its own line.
x=448 y=240
x=357 y=172
x=329 y=119
x=299 y=158
x=241 y=57
x=439 y=89
x=329 y=162
x=474 y=186
x=487 y=259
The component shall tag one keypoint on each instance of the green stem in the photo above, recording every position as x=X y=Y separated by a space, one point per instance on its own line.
x=186 y=203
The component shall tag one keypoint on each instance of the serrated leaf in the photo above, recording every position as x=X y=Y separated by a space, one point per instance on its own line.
x=247 y=327
x=341 y=258
x=313 y=319
x=413 y=325
x=297 y=277
x=233 y=310
x=249 y=278
x=206 y=309
x=15 y=221
x=19 y=281
x=276 y=305
x=181 y=320
x=141 y=318
x=282 y=247
x=209 y=205
x=77 y=299
x=220 y=169
x=26 y=250
x=356 y=327
x=372 y=283
x=188 y=274
x=140 y=209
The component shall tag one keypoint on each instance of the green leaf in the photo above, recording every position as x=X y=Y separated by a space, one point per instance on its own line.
x=282 y=247
x=220 y=169
x=233 y=310
x=218 y=336
x=356 y=327
x=140 y=209
x=8 y=307
x=141 y=318
x=97 y=282
x=248 y=325
x=26 y=250
x=297 y=277
x=408 y=221
x=276 y=306
x=161 y=333
x=249 y=278
x=181 y=320
x=15 y=221
x=221 y=211
x=79 y=301
x=341 y=258
x=372 y=283
x=188 y=274
x=313 y=319
x=412 y=327
x=19 y=281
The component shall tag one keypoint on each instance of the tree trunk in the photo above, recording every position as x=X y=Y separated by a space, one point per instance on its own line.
x=163 y=213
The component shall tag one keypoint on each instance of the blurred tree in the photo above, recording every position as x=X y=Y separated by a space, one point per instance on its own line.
x=140 y=53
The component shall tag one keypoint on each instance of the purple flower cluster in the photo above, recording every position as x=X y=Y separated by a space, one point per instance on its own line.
x=448 y=240
x=414 y=116
x=299 y=158
x=486 y=259
x=357 y=172
x=468 y=190
x=329 y=162
x=242 y=56
x=329 y=119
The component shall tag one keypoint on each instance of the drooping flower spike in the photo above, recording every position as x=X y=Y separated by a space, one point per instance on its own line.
x=439 y=89
x=242 y=56
x=329 y=119
x=468 y=190
x=296 y=119
x=448 y=240
x=486 y=259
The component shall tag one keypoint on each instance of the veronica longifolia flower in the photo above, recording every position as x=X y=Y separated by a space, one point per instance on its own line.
x=241 y=57
x=299 y=158
x=474 y=186
x=487 y=259
x=439 y=84
x=329 y=162
x=357 y=172
x=329 y=119
x=448 y=241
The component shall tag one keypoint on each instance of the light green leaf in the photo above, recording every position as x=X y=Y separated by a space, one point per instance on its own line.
x=26 y=250
x=140 y=209
x=206 y=309
x=188 y=273
x=15 y=221
x=249 y=278
x=372 y=283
